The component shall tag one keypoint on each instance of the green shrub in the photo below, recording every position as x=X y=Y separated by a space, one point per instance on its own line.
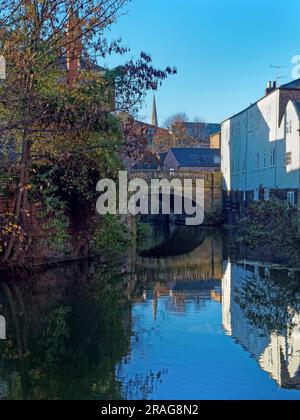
x=272 y=224
x=111 y=235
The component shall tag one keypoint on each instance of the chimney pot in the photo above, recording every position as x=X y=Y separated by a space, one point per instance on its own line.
x=271 y=87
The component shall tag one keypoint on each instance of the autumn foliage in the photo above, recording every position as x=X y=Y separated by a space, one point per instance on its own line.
x=56 y=103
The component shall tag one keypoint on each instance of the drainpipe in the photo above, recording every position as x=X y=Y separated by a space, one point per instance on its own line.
x=276 y=135
x=246 y=155
x=298 y=203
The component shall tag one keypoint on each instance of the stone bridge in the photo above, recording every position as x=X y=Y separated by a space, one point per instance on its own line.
x=212 y=185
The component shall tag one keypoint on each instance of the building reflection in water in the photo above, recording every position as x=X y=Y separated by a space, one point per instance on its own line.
x=262 y=314
x=260 y=305
x=191 y=276
x=69 y=329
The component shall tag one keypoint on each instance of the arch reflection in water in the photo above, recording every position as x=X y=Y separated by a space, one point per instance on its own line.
x=182 y=264
x=259 y=306
x=177 y=321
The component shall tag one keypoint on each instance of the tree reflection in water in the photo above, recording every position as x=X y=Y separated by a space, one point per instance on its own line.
x=69 y=329
x=71 y=332
x=261 y=310
x=269 y=300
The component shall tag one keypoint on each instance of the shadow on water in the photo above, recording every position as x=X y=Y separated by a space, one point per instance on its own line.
x=175 y=240
x=170 y=322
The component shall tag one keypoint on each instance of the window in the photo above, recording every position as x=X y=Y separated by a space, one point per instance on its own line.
x=237 y=130
x=237 y=166
x=243 y=166
x=272 y=158
x=288 y=159
x=267 y=194
x=256 y=161
x=291 y=198
x=256 y=195
x=244 y=125
x=289 y=126
x=265 y=160
x=250 y=126
x=257 y=120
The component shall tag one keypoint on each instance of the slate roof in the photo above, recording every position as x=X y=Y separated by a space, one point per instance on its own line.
x=197 y=157
x=162 y=157
x=294 y=84
x=150 y=165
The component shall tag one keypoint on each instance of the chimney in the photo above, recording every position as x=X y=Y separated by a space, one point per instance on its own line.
x=271 y=87
x=73 y=48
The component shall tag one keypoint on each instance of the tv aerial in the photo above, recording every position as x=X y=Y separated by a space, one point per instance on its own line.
x=278 y=69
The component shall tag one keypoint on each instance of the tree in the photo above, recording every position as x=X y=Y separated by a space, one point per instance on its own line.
x=179 y=117
x=177 y=124
x=198 y=132
x=46 y=98
x=136 y=147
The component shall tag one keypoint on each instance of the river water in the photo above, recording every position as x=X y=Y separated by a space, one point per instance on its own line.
x=183 y=317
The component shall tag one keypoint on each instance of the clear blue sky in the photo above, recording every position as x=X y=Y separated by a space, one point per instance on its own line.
x=222 y=49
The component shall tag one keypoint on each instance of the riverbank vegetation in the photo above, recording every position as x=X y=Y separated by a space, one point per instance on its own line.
x=59 y=129
x=275 y=226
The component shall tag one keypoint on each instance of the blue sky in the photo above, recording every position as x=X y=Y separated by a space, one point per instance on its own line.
x=223 y=50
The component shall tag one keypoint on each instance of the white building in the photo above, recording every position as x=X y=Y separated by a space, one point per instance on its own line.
x=260 y=147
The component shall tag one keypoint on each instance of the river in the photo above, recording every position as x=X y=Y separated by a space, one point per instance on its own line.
x=182 y=317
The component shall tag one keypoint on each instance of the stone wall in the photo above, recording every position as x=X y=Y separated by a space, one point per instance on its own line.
x=213 y=193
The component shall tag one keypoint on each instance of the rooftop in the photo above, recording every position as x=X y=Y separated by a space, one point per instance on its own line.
x=197 y=157
x=293 y=85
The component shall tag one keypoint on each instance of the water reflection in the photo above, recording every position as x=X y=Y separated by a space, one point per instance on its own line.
x=67 y=329
x=178 y=320
x=262 y=312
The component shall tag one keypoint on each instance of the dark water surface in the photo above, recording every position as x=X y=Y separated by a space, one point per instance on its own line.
x=180 y=320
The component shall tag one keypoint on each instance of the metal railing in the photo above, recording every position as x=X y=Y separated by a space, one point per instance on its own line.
x=148 y=175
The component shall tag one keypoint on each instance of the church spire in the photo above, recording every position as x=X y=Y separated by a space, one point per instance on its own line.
x=154 y=119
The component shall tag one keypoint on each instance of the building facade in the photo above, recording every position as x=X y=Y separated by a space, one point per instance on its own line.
x=215 y=141
x=260 y=147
